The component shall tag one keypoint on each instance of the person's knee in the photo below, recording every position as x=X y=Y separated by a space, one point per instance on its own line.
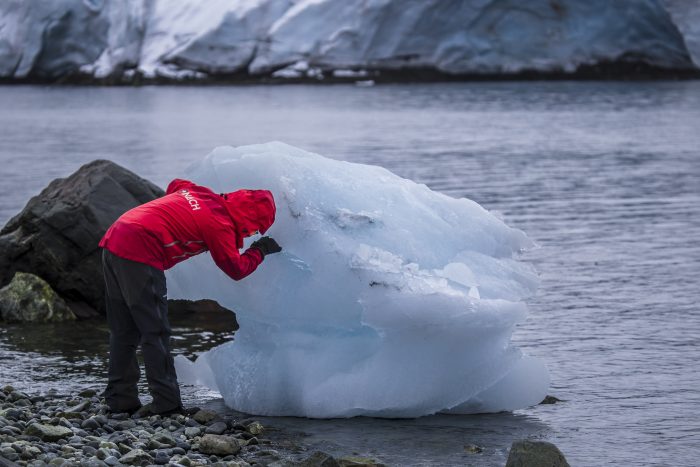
x=125 y=340
x=156 y=339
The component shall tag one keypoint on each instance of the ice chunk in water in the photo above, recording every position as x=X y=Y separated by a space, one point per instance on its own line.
x=389 y=299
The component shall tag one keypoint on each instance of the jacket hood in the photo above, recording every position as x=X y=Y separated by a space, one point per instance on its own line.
x=250 y=210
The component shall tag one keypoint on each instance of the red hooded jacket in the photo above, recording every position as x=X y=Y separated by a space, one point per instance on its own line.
x=189 y=220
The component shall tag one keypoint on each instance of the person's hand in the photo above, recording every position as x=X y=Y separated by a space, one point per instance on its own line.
x=266 y=246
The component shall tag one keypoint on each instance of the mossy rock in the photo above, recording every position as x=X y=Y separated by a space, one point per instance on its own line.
x=29 y=298
x=527 y=453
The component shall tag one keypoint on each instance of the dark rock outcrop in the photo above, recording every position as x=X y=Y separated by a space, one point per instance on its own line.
x=28 y=298
x=525 y=453
x=56 y=234
x=205 y=313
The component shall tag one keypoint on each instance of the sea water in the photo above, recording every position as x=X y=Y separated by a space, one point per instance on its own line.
x=603 y=176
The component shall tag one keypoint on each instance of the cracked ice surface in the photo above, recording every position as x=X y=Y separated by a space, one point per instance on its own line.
x=389 y=299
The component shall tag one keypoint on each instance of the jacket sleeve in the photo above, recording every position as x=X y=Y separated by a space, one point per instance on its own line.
x=222 y=245
x=178 y=184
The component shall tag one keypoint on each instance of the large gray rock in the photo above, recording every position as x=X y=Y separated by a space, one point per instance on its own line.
x=221 y=445
x=526 y=453
x=57 y=233
x=136 y=457
x=48 y=432
x=29 y=298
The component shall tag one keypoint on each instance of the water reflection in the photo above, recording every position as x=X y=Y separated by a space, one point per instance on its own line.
x=433 y=440
x=73 y=356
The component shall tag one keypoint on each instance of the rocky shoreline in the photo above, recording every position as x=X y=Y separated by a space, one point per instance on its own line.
x=66 y=430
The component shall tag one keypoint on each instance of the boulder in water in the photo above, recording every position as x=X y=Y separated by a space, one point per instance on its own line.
x=525 y=453
x=56 y=234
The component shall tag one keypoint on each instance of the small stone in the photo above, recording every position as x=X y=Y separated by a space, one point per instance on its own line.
x=78 y=408
x=92 y=462
x=473 y=448
x=123 y=437
x=13 y=456
x=161 y=458
x=125 y=425
x=153 y=444
x=87 y=393
x=216 y=428
x=12 y=414
x=119 y=416
x=191 y=431
x=527 y=453
x=205 y=416
x=192 y=422
x=179 y=451
x=58 y=461
x=123 y=448
x=17 y=395
x=90 y=424
x=102 y=453
x=550 y=400
x=48 y=432
x=319 y=459
x=255 y=428
x=111 y=460
x=220 y=444
x=136 y=456
x=89 y=451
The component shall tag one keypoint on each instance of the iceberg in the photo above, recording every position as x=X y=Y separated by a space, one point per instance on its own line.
x=388 y=300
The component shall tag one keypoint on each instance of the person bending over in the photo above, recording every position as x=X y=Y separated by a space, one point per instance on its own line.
x=189 y=220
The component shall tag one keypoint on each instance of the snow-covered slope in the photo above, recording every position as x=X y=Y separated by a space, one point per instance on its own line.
x=388 y=299
x=177 y=38
x=197 y=38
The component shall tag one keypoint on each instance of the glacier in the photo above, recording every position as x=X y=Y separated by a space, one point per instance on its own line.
x=195 y=39
x=388 y=300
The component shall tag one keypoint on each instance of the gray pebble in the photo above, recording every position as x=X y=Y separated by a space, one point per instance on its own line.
x=161 y=457
x=192 y=422
x=216 y=428
x=191 y=431
x=111 y=460
x=119 y=416
x=90 y=424
x=103 y=453
x=89 y=451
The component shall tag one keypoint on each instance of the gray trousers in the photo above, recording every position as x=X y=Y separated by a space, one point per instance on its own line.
x=137 y=313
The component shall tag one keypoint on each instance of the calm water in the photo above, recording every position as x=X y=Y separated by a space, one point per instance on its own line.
x=605 y=177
